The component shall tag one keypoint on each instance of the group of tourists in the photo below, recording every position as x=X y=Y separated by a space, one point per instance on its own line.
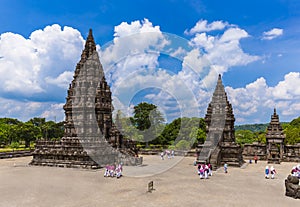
x=255 y=159
x=113 y=171
x=204 y=170
x=168 y=153
x=270 y=171
x=296 y=171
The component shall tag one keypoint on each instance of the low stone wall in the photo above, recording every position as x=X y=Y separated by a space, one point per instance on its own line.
x=250 y=150
x=23 y=153
x=190 y=153
x=291 y=152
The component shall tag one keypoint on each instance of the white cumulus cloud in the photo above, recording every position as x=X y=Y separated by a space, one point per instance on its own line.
x=215 y=54
x=27 y=64
x=35 y=71
x=273 y=33
x=257 y=100
x=203 y=26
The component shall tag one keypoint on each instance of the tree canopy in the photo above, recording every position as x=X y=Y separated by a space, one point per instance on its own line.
x=13 y=131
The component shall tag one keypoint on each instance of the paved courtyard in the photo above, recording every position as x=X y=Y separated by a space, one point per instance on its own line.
x=176 y=184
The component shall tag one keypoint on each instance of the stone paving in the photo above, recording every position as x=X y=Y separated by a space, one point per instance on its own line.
x=175 y=185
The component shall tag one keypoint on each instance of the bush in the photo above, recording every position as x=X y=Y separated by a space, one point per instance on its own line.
x=15 y=145
x=171 y=147
x=183 y=145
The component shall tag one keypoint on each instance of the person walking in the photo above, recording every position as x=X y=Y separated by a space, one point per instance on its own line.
x=267 y=172
x=209 y=169
x=255 y=159
x=225 y=168
x=172 y=153
x=162 y=154
x=273 y=172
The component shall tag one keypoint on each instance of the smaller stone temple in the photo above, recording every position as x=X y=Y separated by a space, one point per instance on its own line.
x=91 y=138
x=275 y=140
x=274 y=151
x=220 y=146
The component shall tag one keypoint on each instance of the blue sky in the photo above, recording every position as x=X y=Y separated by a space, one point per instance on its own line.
x=253 y=44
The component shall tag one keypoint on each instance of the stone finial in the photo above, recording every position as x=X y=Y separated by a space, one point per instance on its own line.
x=89 y=48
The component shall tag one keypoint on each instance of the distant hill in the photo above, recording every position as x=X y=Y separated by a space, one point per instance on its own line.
x=262 y=127
x=296 y=122
x=252 y=127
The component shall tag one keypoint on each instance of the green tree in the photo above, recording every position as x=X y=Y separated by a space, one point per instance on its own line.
x=9 y=121
x=8 y=127
x=189 y=129
x=27 y=132
x=244 y=136
x=292 y=134
x=4 y=134
x=52 y=130
x=198 y=134
x=183 y=145
x=37 y=121
x=148 y=120
x=295 y=122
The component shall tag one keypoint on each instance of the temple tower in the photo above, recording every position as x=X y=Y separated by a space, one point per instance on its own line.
x=90 y=138
x=275 y=140
x=220 y=146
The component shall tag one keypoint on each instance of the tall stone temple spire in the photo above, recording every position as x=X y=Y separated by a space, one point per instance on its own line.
x=275 y=140
x=90 y=139
x=220 y=146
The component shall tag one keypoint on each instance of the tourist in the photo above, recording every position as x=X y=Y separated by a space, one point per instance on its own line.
x=172 y=153
x=206 y=169
x=298 y=170
x=168 y=154
x=209 y=169
x=112 y=170
x=201 y=171
x=294 y=171
x=255 y=159
x=267 y=171
x=195 y=162
x=225 y=168
x=198 y=168
x=106 y=172
x=162 y=154
x=119 y=171
x=273 y=172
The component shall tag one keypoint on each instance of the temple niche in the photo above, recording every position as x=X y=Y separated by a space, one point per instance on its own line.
x=91 y=138
x=275 y=140
x=220 y=146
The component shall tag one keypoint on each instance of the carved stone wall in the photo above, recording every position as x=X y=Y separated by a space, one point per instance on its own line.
x=274 y=151
x=91 y=139
x=258 y=149
x=220 y=145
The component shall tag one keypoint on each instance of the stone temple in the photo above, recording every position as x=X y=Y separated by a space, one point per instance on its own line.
x=220 y=146
x=275 y=140
x=91 y=139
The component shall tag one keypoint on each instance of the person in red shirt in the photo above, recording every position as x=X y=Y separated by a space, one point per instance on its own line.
x=255 y=159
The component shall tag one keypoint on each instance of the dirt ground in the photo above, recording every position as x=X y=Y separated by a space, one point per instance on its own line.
x=176 y=183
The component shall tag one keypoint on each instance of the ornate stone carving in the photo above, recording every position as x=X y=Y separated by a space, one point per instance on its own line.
x=292 y=187
x=220 y=146
x=90 y=139
x=275 y=140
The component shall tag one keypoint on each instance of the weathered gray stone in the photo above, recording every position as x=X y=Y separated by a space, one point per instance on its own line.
x=220 y=146
x=275 y=140
x=91 y=139
x=292 y=187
